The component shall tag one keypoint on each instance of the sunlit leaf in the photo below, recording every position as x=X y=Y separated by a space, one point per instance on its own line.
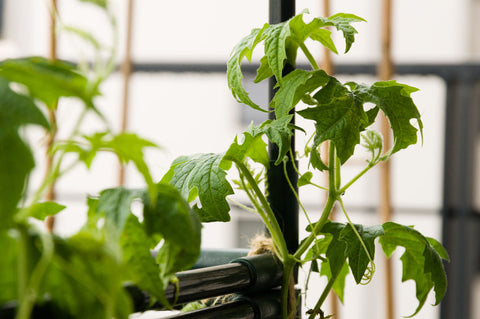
x=201 y=176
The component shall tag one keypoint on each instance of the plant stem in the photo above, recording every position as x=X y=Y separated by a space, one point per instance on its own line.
x=323 y=296
x=331 y=199
x=288 y=266
x=353 y=180
x=309 y=56
x=270 y=219
x=269 y=216
x=30 y=292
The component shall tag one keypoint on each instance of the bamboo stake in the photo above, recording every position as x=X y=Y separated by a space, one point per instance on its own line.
x=127 y=71
x=50 y=193
x=386 y=72
x=327 y=63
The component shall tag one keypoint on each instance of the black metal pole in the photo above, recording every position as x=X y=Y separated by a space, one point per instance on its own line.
x=281 y=197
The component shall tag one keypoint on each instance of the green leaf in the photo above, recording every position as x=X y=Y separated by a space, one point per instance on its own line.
x=9 y=267
x=252 y=147
x=201 y=176
x=394 y=100
x=316 y=160
x=170 y=216
x=234 y=71
x=357 y=256
x=100 y=3
x=305 y=179
x=336 y=251
x=339 y=117
x=264 y=71
x=48 y=80
x=141 y=264
x=301 y=31
x=294 y=86
x=115 y=204
x=127 y=146
x=279 y=132
x=17 y=110
x=86 y=278
x=173 y=257
x=16 y=162
x=342 y=21
x=421 y=261
x=83 y=34
x=40 y=211
x=275 y=47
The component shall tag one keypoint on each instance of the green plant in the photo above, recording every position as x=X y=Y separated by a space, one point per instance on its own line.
x=83 y=275
x=342 y=115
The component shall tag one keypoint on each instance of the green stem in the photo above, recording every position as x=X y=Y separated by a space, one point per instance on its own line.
x=22 y=263
x=237 y=203
x=332 y=197
x=275 y=230
x=346 y=186
x=309 y=56
x=295 y=192
x=31 y=290
x=288 y=267
x=323 y=297
x=355 y=230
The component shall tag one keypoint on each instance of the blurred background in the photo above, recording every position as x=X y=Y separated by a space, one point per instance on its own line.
x=178 y=98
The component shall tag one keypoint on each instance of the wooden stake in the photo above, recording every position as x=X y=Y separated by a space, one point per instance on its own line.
x=50 y=193
x=126 y=70
x=386 y=72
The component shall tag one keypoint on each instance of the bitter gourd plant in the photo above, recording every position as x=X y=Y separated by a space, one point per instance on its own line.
x=342 y=114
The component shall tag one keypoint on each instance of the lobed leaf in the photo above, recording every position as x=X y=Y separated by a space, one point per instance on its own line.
x=48 y=80
x=84 y=276
x=170 y=216
x=234 y=71
x=275 y=47
x=421 y=261
x=141 y=265
x=40 y=211
x=174 y=257
x=101 y=3
x=16 y=163
x=17 y=110
x=294 y=87
x=115 y=204
x=338 y=117
x=252 y=147
x=358 y=259
x=394 y=100
x=279 y=132
x=201 y=176
x=129 y=147
x=342 y=21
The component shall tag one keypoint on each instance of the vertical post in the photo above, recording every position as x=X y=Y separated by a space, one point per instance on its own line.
x=461 y=221
x=385 y=72
x=126 y=70
x=52 y=54
x=280 y=196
